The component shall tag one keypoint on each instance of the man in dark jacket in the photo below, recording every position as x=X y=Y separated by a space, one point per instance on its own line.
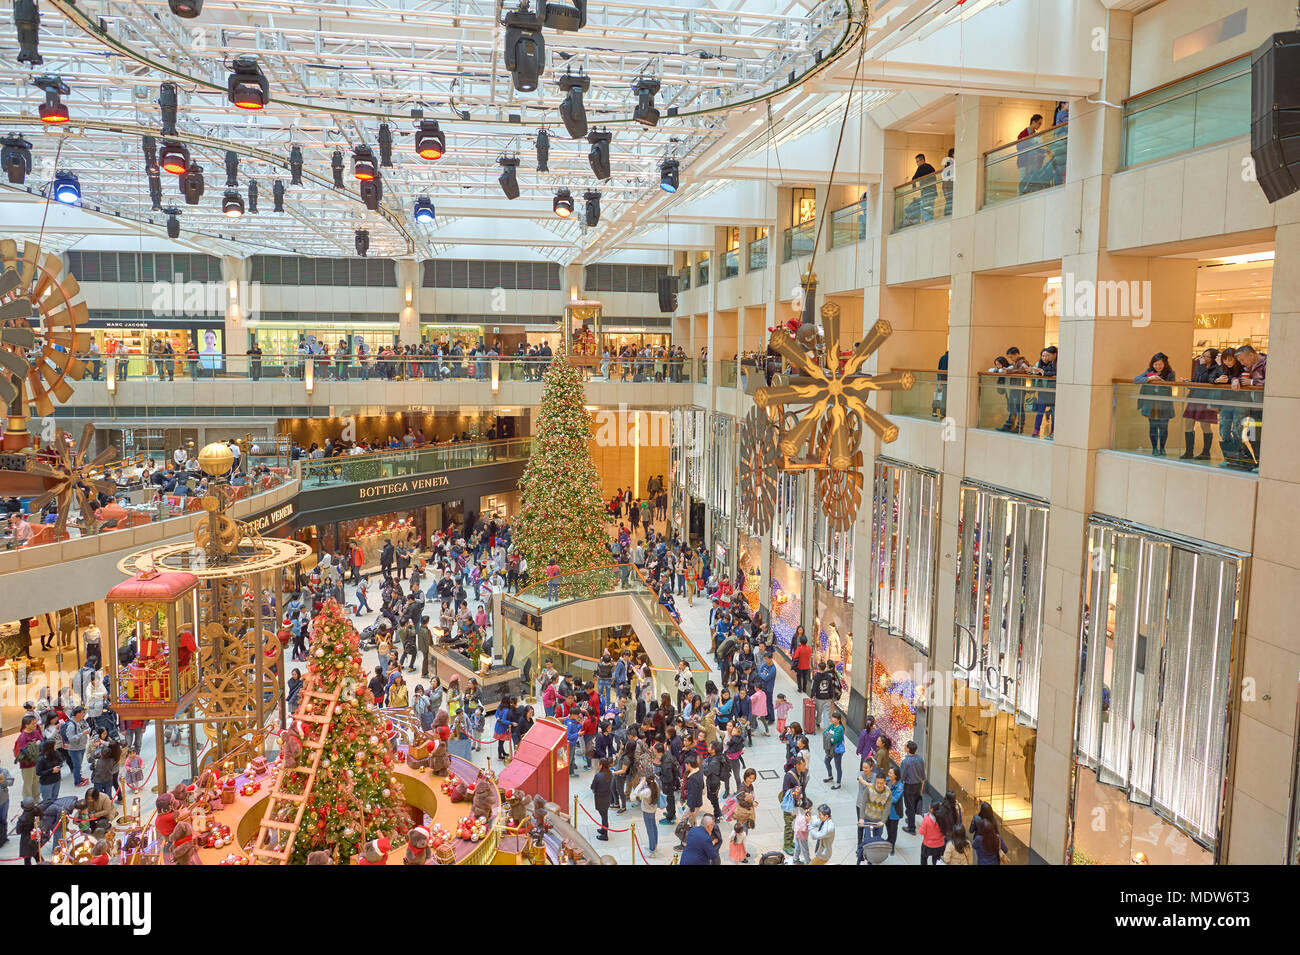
x=669 y=782
x=386 y=560
x=700 y=846
x=825 y=690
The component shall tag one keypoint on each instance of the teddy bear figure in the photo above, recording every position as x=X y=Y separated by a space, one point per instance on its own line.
x=185 y=851
x=417 y=847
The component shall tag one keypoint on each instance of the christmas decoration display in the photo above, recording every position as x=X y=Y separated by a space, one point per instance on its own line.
x=472 y=828
x=758 y=467
x=354 y=798
x=561 y=513
x=893 y=703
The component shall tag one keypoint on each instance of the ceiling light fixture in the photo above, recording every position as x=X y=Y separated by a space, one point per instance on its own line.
x=187 y=9
x=509 y=178
x=598 y=156
x=543 y=145
x=232 y=204
x=385 y=145
x=247 y=87
x=592 y=208
x=295 y=166
x=336 y=165
x=525 y=52
x=173 y=157
x=362 y=242
x=430 y=142
x=191 y=184
x=53 y=111
x=27 y=18
x=16 y=158
x=363 y=163
x=562 y=204
x=173 y=222
x=424 y=212
x=669 y=173
x=645 y=112
x=572 y=110
x=168 y=100
x=67 y=188
x=277 y=194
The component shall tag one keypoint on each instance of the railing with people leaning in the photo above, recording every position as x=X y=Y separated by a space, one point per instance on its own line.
x=406 y=462
x=1211 y=425
x=1025 y=166
x=1018 y=402
x=923 y=199
x=612 y=580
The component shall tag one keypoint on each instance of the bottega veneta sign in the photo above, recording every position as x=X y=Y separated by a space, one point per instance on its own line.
x=403 y=487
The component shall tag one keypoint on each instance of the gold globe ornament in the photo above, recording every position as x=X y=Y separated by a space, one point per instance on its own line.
x=216 y=458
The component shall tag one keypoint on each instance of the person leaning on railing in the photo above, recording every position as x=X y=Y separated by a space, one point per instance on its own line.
x=1157 y=401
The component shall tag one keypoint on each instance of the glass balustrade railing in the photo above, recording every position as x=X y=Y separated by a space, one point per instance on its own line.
x=728 y=373
x=1199 y=110
x=355 y=468
x=1019 y=404
x=849 y=225
x=799 y=240
x=758 y=254
x=1210 y=425
x=702 y=273
x=1028 y=165
x=927 y=398
x=731 y=264
x=615 y=579
x=702 y=371
x=683 y=280
x=216 y=367
x=922 y=200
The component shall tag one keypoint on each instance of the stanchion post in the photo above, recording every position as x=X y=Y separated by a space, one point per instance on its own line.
x=632 y=826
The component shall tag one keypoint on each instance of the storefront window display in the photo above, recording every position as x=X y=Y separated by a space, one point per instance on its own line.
x=40 y=658
x=788 y=530
x=749 y=556
x=277 y=341
x=722 y=477
x=896 y=691
x=1154 y=707
x=832 y=626
x=1001 y=561
x=677 y=466
x=904 y=534
x=833 y=557
x=371 y=533
x=787 y=601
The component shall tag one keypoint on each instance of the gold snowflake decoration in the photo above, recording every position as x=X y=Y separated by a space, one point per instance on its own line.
x=835 y=395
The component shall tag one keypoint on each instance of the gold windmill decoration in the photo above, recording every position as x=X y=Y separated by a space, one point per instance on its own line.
x=32 y=285
x=823 y=407
x=758 y=470
x=71 y=477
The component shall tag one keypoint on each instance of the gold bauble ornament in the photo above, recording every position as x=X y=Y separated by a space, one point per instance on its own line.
x=216 y=458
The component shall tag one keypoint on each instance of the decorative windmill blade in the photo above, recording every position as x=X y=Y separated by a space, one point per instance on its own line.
x=83 y=445
x=102 y=485
x=8 y=281
x=15 y=309
x=104 y=456
x=65 y=505
x=17 y=369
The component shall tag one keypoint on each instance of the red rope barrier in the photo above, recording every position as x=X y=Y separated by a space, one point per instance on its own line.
x=637 y=843
x=598 y=822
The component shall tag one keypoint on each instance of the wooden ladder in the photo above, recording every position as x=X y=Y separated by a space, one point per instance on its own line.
x=275 y=838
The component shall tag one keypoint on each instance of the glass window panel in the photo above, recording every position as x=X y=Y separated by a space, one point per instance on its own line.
x=1115 y=737
x=1092 y=654
x=1031 y=633
x=1146 y=672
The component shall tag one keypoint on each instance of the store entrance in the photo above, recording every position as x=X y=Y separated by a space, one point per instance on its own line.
x=991 y=760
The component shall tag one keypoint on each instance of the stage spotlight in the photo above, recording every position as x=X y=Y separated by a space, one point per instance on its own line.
x=295 y=166
x=362 y=241
x=173 y=222
x=232 y=204
x=525 y=49
x=372 y=191
x=424 y=211
x=53 y=111
x=562 y=204
x=572 y=110
x=149 y=146
x=509 y=178
x=669 y=170
x=645 y=112
x=167 y=102
x=598 y=156
x=191 y=184
x=592 y=208
x=188 y=9
x=385 y=145
x=277 y=193
x=16 y=158
x=363 y=163
x=173 y=157
x=247 y=87
x=336 y=164
x=252 y=197
x=543 y=150
x=232 y=169
x=566 y=16
x=155 y=194
x=430 y=141
x=27 y=17
x=67 y=188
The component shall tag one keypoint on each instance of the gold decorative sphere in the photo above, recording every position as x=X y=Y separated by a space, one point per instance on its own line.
x=216 y=458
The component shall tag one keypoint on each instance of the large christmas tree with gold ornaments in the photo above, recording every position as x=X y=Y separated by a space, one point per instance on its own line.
x=561 y=512
x=356 y=796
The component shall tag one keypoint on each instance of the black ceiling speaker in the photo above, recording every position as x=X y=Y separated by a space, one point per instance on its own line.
x=1275 y=114
x=667 y=293
x=525 y=52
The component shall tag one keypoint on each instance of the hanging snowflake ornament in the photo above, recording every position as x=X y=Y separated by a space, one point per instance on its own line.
x=836 y=394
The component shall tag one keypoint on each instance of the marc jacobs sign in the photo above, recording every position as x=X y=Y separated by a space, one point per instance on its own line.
x=398 y=488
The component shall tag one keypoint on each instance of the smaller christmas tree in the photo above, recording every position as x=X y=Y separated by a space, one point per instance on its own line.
x=356 y=796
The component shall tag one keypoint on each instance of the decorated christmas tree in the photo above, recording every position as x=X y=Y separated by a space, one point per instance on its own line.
x=356 y=797
x=561 y=512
